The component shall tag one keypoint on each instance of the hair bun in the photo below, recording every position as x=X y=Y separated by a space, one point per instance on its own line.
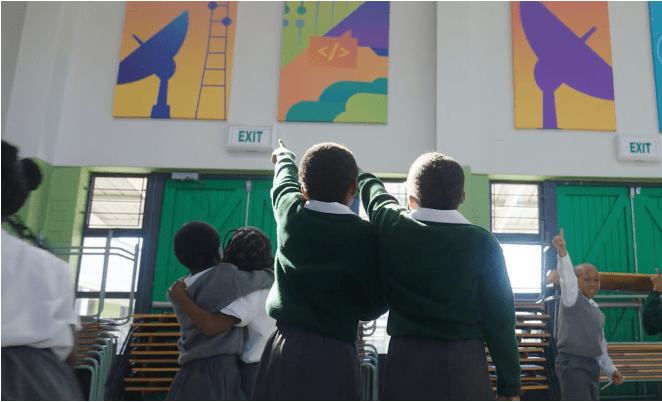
x=31 y=173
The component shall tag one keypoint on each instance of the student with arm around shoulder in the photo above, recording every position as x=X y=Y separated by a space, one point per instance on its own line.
x=250 y=249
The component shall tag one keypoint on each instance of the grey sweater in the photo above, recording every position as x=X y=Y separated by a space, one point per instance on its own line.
x=580 y=328
x=213 y=291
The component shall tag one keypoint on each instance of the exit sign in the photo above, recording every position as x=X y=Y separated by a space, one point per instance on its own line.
x=251 y=139
x=638 y=149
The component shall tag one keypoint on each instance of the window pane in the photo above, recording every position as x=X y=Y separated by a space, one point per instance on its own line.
x=396 y=189
x=117 y=202
x=120 y=268
x=524 y=264
x=515 y=208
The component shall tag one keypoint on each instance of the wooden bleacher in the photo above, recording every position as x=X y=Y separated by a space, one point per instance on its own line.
x=153 y=353
x=533 y=339
x=637 y=361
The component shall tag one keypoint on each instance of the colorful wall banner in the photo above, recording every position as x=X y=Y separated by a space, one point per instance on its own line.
x=176 y=60
x=334 y=62
x=656 y=39
x=562 y=65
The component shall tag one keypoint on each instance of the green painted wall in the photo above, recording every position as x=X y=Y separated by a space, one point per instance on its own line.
x=33 y=211
x=476 y=207
x=57 y=207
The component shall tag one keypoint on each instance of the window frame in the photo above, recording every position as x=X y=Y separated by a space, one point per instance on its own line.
x=142 y=233
x=120 y=232
x=525 y=238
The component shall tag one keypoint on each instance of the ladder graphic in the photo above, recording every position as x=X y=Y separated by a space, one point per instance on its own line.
x=222 y=34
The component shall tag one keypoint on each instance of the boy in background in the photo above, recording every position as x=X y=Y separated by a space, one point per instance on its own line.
x=580 y=333
x=447 y=290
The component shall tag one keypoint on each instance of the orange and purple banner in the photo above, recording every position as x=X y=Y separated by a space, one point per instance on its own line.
x=656 y=39
x=562 y=65
x=176 y=60
x=334 y=62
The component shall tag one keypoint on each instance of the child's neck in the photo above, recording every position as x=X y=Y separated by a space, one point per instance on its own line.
x=590 y=298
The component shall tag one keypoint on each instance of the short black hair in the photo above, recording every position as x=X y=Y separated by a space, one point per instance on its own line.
x=197 y=246
x=437 y=181
x=327 y=172
x=249 y=249
x=19 y=177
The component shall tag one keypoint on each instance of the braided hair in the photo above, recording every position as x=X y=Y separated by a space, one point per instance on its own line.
x=248 y=248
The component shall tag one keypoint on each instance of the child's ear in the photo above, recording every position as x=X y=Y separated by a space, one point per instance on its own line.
x=351 y=193
x=413 y=202
x=304 y=192
x=354 y=188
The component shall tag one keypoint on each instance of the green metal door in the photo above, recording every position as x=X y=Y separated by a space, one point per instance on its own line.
x=597 y=222
x=648 y=228
x=598 y=226
x=219 y=202
x=261 y=214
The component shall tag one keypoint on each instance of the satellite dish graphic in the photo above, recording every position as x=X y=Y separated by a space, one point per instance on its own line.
x=563 y=58
x=156 y=56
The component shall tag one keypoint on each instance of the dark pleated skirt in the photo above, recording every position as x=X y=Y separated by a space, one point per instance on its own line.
x=298 y=364
x=248 y=373
x=37 y=374
x=426 y=369
x=213 y=378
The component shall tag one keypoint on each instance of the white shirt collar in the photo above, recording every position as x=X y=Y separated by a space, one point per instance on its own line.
x=328 y=207
x=439 y=215
x=189 y=280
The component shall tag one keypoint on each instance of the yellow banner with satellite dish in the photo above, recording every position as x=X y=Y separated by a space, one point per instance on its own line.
x=176 y=60
x=562 y=65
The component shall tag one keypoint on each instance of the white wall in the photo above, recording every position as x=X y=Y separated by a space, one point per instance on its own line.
x=475 y=115
x=61 y=105
x=41 y=73
x=13 y=15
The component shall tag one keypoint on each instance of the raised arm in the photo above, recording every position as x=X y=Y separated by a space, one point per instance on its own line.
x=497 y=305
x=376 y=200
x=286 y=180
x=567 y=276
x=211 y=324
